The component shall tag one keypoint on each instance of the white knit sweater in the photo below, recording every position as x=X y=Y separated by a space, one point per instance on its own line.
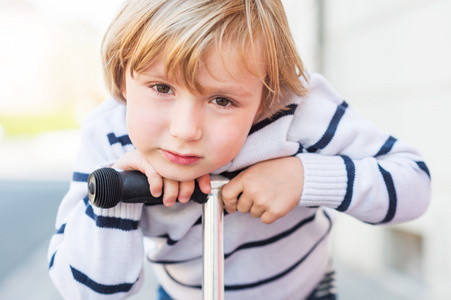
x=349 y=164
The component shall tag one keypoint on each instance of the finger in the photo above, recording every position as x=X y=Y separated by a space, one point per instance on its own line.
x=244 y=204
x=268 y=218
x=204 y=183
x=186 y=189
x=128 y=161
x=230 y=194
x=230 y=205
x=154 y=179
x=133 y=160
x=155 y=183
x=171 y=191
x=256 y=211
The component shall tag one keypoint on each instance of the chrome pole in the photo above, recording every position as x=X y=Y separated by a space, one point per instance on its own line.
x=213 y=242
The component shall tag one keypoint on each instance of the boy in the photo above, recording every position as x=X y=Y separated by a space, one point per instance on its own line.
x=217 y=87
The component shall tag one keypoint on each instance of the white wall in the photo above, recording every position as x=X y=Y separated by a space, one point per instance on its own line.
x=390 y=60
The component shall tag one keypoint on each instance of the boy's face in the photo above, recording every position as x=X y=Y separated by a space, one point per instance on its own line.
x=185 y=135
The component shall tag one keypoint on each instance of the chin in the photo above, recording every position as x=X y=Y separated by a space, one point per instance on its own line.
x=179 y=175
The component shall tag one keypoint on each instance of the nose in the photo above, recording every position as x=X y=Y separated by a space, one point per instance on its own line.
x=186 y=122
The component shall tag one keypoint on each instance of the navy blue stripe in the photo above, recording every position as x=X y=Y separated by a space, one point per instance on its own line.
x=387 y=146
x=274 y=238
x=393 y=200
x=422 y=166
x=52 y=260
x=290 y=109
x=325 y=289
x=112 y=222
x=123 y=140
x=199 y=221
x=61 y=229
x=172 y=242
x=169 y=241
x=81 y=177
x=86 y=200
x=300 y=149
x=328 y=277
x=254 y=244
x=100 y=288
x=270 y=279
x=350 y=170
x=331 y=129
x=287 y=271
x=109 y=222
x=231 y=175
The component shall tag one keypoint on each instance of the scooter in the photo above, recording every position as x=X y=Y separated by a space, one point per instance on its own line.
x=107 y=187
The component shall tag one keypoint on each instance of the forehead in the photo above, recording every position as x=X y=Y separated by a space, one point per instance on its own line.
x=229 y=63
x=217 y=73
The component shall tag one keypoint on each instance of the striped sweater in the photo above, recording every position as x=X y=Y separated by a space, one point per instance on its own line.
x=349 y=166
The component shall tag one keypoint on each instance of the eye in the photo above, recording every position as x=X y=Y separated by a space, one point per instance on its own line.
x=221 y=101
x=162 y=89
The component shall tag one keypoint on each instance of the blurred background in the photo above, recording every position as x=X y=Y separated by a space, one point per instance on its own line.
x=388 y=58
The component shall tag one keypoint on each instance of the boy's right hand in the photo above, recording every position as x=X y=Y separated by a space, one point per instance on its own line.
x=171 y=189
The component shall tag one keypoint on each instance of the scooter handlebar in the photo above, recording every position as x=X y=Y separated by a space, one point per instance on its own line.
x=107 y=187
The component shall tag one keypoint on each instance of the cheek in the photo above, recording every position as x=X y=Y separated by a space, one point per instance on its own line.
x=228 y=142
x=142 y=126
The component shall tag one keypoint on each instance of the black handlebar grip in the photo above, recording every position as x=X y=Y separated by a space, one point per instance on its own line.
x=107 y=187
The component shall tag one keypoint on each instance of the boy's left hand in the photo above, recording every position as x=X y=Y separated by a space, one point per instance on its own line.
x=268 y=190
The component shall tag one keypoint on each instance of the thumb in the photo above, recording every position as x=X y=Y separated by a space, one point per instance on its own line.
x=231 y=192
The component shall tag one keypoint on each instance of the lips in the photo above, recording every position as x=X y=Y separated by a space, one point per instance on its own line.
x=181 y=159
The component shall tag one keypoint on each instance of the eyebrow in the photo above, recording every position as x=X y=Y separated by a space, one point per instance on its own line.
x=234 y=90
x=155 y=74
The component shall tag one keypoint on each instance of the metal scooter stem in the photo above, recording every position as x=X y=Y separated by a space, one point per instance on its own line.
x=107 y=187
x=213 y=242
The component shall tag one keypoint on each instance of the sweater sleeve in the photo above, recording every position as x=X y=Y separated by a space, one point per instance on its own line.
x=95 y=253
x=353 y=166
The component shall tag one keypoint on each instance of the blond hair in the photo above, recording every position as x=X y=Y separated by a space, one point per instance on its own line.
x=186 y=30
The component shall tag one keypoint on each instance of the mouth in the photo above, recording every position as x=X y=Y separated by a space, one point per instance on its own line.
x=180 y=159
